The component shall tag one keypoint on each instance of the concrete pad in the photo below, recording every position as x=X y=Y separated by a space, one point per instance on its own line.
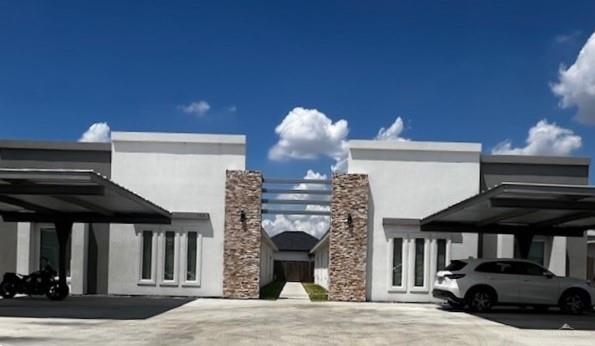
x=294 y=291
x=259 y=322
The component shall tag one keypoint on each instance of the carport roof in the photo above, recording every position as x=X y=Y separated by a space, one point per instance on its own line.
x=50 y=195
x=548 y=209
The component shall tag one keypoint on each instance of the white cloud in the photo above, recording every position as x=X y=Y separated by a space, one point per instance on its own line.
x=393 y=132
x=307 y=134
x=199 y=108
x=98 y=132
x=315 y=225
x=232 y=109
x=576 y=85
x=544 y=139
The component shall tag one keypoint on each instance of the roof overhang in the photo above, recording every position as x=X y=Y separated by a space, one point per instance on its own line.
x=513 y=208
x=49 y=195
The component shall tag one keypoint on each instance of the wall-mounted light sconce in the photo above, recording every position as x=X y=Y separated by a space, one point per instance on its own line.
x=349 y=219
x=242 y=216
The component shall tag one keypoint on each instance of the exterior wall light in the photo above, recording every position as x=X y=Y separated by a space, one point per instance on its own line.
x=349 y=219
x=242 y=216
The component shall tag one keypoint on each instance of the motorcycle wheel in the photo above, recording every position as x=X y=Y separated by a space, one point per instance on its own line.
x=57 y=292
x=8 y=290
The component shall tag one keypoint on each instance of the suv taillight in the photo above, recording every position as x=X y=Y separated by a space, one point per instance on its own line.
x=454 y=276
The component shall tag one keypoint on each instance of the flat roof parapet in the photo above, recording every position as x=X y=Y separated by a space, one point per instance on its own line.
x=414 y=146
x=165 y=137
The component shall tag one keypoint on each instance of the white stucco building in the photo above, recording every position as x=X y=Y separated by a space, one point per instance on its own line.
x=186 y=175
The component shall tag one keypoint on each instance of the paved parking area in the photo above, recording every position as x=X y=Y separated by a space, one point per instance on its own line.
x=144 y=321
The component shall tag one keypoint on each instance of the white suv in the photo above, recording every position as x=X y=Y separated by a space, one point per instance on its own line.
x=480 y=284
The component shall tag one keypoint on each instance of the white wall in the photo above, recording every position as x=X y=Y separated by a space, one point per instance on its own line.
x=181 y=173
x=412 y=180
x=321 y=254
x=267 y=253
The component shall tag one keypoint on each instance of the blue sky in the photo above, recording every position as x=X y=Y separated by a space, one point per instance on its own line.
x=453 y=71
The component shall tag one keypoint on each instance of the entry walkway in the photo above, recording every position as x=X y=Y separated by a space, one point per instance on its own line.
x=294 y=291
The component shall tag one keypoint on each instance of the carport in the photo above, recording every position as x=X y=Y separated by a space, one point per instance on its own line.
x=524 y=210
x=64 y=197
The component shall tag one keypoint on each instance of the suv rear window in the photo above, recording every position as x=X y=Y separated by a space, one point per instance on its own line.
x=455 y=266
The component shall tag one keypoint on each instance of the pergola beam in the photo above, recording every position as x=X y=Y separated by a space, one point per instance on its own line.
x=295 y=201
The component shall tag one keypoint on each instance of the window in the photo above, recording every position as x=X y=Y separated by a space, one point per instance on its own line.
x=49 y=250
x=456 y=265
x=419 y=262
x=191 y=256
x=398 y=262
x=169 y=256
x=495 y=267
x=537 y=252
x=523 y=268
x=147 y=256
x=440 y=254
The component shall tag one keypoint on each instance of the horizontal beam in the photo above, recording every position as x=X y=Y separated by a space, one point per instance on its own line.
x=296 y=181
x=85 y=218
x=26 y=205
x=541 y=204
x=565 y=218
x=50 y=189
x=297 y=191
x=295 y=201
x=456 y=227
x=295 y=212
x=505 y=216
x=91 y=207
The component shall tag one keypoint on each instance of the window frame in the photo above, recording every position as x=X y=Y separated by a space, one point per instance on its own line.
x=426 y=264
x=184 y=258
x=37 y=253
x=161 y=269
x=404 y=259
x=154 y=240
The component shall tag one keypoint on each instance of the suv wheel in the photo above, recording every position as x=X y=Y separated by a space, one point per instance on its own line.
x=481 y=300
x=574 y=302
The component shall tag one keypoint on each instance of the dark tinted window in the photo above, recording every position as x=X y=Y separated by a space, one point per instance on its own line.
x=525 y=268
x=495 y=267
x=455 y=266
x=441 y=254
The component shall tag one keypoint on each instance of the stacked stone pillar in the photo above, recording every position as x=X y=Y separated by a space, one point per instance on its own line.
x=348 y=245
x=243 y=222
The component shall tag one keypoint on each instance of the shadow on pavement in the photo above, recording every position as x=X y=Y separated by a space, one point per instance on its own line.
x=527 y=318
x=90 y=307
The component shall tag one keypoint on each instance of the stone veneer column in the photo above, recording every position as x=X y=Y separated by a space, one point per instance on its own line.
x=241 y=249
x=348 y=244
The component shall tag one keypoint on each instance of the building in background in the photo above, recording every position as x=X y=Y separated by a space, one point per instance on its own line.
x=293 y=261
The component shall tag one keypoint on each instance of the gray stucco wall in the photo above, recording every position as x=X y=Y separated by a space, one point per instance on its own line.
x=60 y=155
x=496 y=169
x=8 y=247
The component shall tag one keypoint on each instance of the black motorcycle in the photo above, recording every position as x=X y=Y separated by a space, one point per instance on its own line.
x=43 y=281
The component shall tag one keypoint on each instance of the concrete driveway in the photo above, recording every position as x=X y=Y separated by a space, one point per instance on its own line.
x=282 y=322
